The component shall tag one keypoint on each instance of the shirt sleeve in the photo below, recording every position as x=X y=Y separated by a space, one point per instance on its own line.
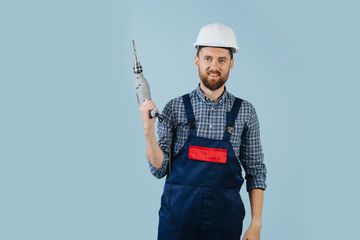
x=251 y=154
x=165 y=135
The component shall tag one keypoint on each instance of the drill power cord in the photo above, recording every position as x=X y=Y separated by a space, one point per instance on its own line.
x=170 y=180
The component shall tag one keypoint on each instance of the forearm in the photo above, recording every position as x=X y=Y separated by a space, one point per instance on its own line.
x=256 y=201
x=153 y=151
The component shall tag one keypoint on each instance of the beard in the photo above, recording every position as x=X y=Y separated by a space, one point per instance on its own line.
x=213 y=84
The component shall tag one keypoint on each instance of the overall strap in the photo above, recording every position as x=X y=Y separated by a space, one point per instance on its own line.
x=230 y=119
x=189 y=114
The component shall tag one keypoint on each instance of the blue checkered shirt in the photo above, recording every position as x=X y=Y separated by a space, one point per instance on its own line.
x=210 y=123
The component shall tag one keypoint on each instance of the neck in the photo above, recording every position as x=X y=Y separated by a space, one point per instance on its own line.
x=213 y=95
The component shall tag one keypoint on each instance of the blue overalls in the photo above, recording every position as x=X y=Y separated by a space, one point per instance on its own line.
x=206 y=180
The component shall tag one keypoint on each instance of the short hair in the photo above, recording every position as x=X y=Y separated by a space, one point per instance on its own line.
x=231 y=53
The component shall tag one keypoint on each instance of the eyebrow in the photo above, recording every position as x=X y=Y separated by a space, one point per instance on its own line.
x=222 y=57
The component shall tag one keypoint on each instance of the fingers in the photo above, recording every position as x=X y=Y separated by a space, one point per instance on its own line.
x=145 y=109
x=147 y=105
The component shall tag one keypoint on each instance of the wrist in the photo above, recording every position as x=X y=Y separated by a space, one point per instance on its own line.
x=149 y=131
x=256 y=223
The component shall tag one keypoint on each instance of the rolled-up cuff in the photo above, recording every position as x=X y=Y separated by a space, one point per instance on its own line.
x=159 y=172
x=258 y=182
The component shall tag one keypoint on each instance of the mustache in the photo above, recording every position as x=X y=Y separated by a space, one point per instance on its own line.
x=214 y=72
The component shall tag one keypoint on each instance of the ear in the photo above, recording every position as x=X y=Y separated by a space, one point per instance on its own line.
x=231 y=63
x=197 y=62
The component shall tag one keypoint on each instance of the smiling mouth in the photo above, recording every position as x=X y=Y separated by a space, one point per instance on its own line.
x=213 y=74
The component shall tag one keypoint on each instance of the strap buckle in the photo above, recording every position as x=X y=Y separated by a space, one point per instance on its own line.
x=229 y=129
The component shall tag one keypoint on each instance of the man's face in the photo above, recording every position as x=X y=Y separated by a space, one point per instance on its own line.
x=214 y=65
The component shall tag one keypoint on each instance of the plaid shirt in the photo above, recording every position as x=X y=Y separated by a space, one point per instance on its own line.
x=210 y=123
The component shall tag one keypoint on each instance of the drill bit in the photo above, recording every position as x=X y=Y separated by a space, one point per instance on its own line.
x=134 y=51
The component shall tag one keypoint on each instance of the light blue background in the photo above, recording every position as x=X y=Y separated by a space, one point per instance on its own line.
x=72 y=149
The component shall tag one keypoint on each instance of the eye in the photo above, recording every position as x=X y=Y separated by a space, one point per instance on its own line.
x=207 y=59
x=222 y=60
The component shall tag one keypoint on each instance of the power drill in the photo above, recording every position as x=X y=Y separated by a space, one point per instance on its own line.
x=142 y=87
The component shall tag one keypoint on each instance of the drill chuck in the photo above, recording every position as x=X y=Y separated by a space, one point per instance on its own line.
x=137 y=67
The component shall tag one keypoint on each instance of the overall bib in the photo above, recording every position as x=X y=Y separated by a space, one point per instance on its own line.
x=206 y=180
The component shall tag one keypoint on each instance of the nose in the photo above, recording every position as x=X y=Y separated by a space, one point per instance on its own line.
x=214 y=65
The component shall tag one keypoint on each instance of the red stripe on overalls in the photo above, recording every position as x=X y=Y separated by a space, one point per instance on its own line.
x=216 y=155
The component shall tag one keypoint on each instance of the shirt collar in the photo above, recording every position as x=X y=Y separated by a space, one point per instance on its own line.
x=203 y=97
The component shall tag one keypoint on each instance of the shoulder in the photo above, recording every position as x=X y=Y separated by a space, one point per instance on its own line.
x=175 y=109
x=174 y=104
x=245 y=105
x=247 y=109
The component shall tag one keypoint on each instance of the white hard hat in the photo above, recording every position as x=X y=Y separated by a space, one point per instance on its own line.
x=217 y=35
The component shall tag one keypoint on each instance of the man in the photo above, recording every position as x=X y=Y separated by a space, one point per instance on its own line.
x=213 y=134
